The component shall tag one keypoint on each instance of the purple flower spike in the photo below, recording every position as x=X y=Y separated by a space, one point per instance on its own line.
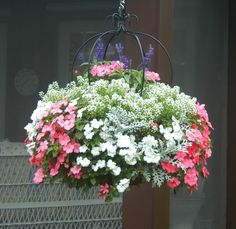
x=123 y=58
x=100 y=50
x=148 y=56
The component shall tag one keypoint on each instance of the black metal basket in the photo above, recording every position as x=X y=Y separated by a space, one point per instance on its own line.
x=120 y=20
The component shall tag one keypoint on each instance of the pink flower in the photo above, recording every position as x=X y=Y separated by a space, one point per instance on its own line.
x=39 y=136
x=205 y=172
x=53 y=172
x=71 y=109
x=154 y=124
x=61 y=158
x=69 y=124
x=102 y=196
x=43 y=146
x=116 y=65
x=184 y=160
x=64 y=139
x=191 y=177
x=69 y=148
x=152 y=76
x=203 y=113
x=56 y=110
x=169 y=167
x=38 y=176
x=104 y=188
x=76 y=147
x=173 y=183
x=208 y=153
x=77 y=172
x=194 y=135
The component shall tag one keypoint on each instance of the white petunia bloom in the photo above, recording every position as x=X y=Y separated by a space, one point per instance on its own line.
x=116 y=171
x=130 y=160
x=96 y=124
x=152 y=157
x=100 y=164
x=73 y=102
x=95 y=151
x=123 y=141
x=30 y=148
x=149 y=140
x=123 y=185
x=111 y=149
x=88 y=132
x=111 y=164
x=83 y=149
x=80 y=112
x=88 y=128
x=84 y=162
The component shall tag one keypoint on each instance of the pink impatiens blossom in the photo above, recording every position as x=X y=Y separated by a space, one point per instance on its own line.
x=104 y=190
x=205 y=172
x=76 y=172
x=104 y=70
x=194 y=135
x=152 y=76
x=191 y=177
x=173 y=183
x=184 y=160
x=64 y=139
x=203 y=113
x=69 y=148
x=38 y=176
x=169 y=167
x=43 y=146
x=76 y=147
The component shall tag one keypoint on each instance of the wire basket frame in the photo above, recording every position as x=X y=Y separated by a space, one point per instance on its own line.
x=120 y=20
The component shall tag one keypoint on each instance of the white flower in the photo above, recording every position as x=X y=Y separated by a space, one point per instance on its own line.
x=100 y=164
x=80 y=112
x=88 y=135
x=111 y=149
x=111 y=164
x=130 y=160
x=84 y=162
x=73 y=102
x=123 y=141
x=149 y=140
x=83 y=149
x=96 y=124
x=30 y=148
x=152 y=157
x=29 y=128
x=116 y=171
x=168 y=136
x=88 y=132
x=88 y=128
x=123 y=185
x=95 y=151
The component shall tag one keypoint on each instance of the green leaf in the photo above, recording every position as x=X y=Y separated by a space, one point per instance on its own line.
x=55 y=153
x=93 y=181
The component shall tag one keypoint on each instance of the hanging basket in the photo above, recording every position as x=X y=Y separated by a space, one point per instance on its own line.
x=115 y=126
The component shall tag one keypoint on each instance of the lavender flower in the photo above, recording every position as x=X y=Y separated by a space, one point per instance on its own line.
x=148 y=56
x=123 y=58
x=99 y=52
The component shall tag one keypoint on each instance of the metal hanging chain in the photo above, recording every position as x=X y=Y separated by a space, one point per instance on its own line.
x=122 y=5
